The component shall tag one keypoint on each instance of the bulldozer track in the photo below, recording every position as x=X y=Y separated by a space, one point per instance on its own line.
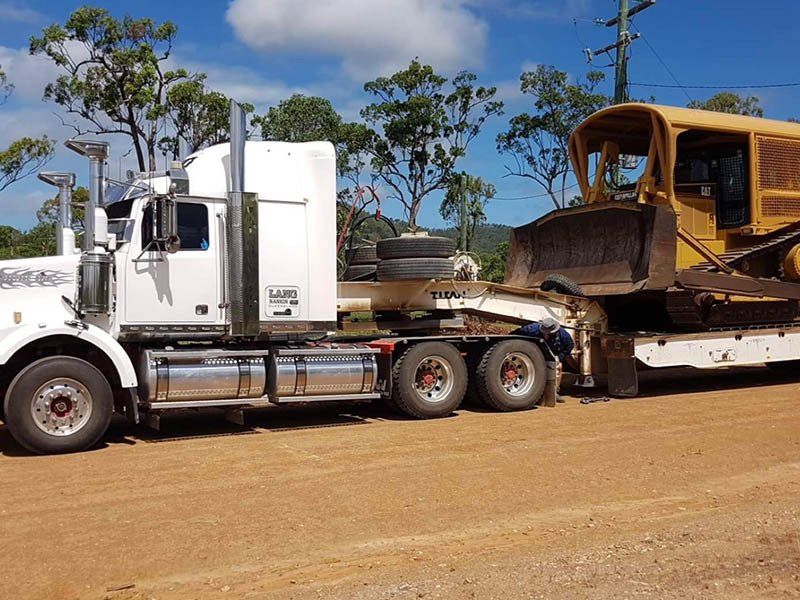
x=735 y=258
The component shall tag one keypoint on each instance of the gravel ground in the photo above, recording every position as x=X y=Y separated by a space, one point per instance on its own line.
x=692 y=490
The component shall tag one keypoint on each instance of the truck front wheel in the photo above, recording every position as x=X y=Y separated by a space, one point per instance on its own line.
x=511 y=375
x=58 y=404
x=429 y=380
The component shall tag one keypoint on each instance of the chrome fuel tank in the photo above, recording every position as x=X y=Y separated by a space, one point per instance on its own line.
x=322 y=371
x=172 y=375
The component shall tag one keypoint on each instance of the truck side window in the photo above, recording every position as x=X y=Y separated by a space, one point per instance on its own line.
x=192 y=226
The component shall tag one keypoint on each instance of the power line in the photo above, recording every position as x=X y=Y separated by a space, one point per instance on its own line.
x=663 y=64
x=543 y=195
x=719 y=87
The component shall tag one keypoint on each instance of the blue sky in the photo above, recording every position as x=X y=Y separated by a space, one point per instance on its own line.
x=261 y=51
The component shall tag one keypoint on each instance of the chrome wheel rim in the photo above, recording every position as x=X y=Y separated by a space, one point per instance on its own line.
x=61 y=407
x=517 y=374
x=433 y=380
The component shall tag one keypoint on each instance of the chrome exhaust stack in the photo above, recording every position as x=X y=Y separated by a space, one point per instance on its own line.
x=97 y=153
x=242 y=234
x=65 y=236
x=96 y=267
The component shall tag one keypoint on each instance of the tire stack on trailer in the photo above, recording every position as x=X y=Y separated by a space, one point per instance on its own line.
x=361 y=264
x=415 y=257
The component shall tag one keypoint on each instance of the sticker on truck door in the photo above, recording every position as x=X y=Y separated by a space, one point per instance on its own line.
x=283 y=301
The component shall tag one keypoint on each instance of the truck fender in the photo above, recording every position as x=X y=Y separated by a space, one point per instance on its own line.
x=14 y=339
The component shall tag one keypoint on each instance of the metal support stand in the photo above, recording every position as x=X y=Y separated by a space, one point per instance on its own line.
x=551 y=388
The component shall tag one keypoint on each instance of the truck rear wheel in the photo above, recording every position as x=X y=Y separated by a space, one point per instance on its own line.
x=58 y=404
x=511 y=375
x=429 y=380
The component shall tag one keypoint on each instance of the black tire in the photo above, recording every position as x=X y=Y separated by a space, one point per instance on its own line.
x=489 y=376
x=415 y=401
x=415 y=268
x=359 y=273
x=362 y=255
x=561 y=285
x=415 y=247
x=22 y=395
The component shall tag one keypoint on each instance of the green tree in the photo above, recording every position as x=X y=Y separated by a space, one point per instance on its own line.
x=10 y=241
x=114 y=75
x=494 y=264
x=24 y=156
x=422 y=128
x=538 y=142
x=731 y=103
x=197 y=115
x=300 y=118
x=48 y=211
x=477 y=193
x=40 y=240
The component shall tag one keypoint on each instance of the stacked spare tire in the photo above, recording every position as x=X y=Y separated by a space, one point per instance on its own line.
x=361 y=264
x=415 y=257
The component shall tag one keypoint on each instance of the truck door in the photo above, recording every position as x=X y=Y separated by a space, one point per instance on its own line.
x=180 y=288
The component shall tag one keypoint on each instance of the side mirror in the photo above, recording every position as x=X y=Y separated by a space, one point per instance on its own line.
x=165 y=224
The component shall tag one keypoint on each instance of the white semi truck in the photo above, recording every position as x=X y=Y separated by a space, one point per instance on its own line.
x=213 y=284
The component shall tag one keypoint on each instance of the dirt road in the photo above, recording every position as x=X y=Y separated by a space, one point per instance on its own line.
x=679 y=493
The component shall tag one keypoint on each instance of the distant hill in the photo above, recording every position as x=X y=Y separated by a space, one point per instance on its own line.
x=487 y=238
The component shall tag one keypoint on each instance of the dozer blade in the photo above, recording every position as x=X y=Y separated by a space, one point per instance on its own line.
x=608 y=248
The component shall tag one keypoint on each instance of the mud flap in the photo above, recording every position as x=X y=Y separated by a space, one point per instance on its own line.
x=623 y=380
x=551 y=387
x=608 y=248
x=619 y=352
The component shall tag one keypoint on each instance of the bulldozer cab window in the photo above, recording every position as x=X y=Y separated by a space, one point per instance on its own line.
x=715 y=166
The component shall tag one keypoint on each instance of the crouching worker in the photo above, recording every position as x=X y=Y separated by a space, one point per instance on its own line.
x=559 y=342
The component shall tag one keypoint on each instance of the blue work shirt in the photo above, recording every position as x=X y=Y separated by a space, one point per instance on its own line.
x=560 y=344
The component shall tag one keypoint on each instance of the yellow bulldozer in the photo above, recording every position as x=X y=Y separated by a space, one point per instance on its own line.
x=690 y=216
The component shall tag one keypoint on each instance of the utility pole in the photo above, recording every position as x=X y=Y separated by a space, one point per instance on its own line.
x=462 y=185
x=621 y=71
x=624 y=40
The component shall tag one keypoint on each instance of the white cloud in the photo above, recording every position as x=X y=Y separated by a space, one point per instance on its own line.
x=244 y=85
x=29 y=74
x=369 y=38
x=11 y=13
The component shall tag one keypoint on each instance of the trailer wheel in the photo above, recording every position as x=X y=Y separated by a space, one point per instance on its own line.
x=429 y=380
x=58 y=404
x=511 y=375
